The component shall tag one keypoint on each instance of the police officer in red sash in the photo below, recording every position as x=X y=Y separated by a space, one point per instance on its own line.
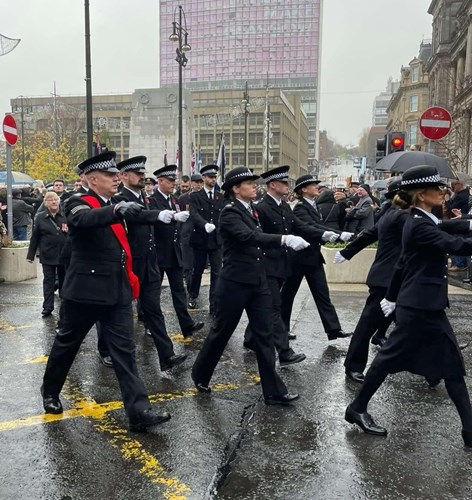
x=100 y=286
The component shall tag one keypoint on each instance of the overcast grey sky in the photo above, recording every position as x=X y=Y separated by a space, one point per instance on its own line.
x=364 y=42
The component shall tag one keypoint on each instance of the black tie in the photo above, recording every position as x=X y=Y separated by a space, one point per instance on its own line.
x=210 y=195
x=169 y=202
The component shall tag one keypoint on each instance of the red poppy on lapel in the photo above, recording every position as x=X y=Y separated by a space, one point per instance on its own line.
x=256 y=213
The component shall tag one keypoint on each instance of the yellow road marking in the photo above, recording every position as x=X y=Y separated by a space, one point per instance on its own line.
x=10 y=328
x=178 y=337
x=40 y=359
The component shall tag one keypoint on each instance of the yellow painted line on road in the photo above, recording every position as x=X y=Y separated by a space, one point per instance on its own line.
x=178 y=337
x=40 y=359
x=5 y=326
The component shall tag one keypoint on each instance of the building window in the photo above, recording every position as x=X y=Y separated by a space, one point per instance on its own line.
x=415 y=74
x=413 y=103
x=412 y=133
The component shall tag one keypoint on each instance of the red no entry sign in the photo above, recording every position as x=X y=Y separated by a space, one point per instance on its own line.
x=435 y=123
x=10 y=130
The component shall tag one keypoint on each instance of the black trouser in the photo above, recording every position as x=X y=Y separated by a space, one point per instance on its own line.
x=316 y=279
x=200 y=257
x=279 y=330
x=117 y=331
x=150 y=304
x=372 y=320
x=187 y=261
x=49 y=282
x=179 y=297
x=232 y=299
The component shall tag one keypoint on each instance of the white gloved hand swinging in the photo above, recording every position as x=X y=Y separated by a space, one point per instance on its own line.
x=338 y=258
x=182 y=216
x=165 y=216
x=387 y=307
x=209 y=228
x=330 y=236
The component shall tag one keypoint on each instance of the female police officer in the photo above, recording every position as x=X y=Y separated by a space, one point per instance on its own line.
x=242 y=285
x=423 y=341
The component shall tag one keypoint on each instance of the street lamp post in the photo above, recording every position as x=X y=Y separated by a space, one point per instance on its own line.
x=180 y=34
x=246 y=105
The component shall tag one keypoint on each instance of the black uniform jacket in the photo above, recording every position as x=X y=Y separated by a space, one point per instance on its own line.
x=49 y=235
x=244 y=245
x=96 y=273
x=277 y=219
x=169 y=253
x=187 y=228
x=420 y=278
x=204 y=211
x=388 y=232
x=141 y=238
x=305 y=212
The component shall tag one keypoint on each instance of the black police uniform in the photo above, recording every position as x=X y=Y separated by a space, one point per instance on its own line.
x=242 y=285
x=204 y=210
x=145 y=266
x=279 y=219
x=309 y=264
x=169 y=255
x=185 y=233
x=96 y=288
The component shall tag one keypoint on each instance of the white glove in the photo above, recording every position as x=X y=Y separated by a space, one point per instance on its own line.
x=182 y=216
x=345 y=236
x=209 y=228
x=338 y=258
x=330 y=236
x=387 y=307
x=296 y=242
x=166 y=216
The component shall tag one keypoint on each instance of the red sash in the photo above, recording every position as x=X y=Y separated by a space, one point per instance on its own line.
x=120 y=233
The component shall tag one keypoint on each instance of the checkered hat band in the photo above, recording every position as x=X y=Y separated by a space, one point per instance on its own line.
x=133 y=166
x=101 y=165
x=168 y=173
x=243 y=174
x=281 y=176
x=422 y=180
x=210 y=172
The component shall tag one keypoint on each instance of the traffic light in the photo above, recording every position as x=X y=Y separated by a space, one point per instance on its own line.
x=380 y=149
x=395 y=141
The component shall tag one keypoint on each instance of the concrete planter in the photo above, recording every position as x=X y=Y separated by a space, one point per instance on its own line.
x=14 y=266
x=352 y=271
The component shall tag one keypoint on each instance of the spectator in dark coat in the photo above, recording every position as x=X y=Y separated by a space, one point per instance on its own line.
x=21 y=216
x=329 y=210
x=362 y=215
x=49 y=235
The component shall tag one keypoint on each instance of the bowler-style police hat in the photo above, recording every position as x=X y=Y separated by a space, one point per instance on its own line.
x=421 y=176
x=304 y=181
x=104 y=162
x=236 y=176
x=210 y=170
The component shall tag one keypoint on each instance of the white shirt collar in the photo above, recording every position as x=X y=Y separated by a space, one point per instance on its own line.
x=311 y=202
x=138 y=195
x=430 y=215
x=208 y=191
x=166 y=196
x=279 y=202
x=245 y=203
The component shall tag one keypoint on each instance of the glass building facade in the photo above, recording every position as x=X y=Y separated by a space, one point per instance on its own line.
x=263 y=42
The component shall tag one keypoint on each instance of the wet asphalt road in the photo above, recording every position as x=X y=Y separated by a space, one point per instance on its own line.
x=227 y=445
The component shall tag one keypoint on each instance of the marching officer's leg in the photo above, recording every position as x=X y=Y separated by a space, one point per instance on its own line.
x=179 y=298
x=78 y=319
x=199 y=264
x=288 y=294
x=49 y=282
x=215 y=266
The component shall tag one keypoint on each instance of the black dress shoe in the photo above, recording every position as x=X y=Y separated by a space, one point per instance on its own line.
x=174 y=360
x=283 y=399
x=51 y=404
x=45 y=313
x=194 y=328
x=249 y=345
x=192 y=303
x=147 y=418
x=200 y=387
x=106 y=360
x=291 y=336
x=357 y=377
x=291 y=359
x=339 y=334
x=380 y=341
x=467 y=437
x=365 y=422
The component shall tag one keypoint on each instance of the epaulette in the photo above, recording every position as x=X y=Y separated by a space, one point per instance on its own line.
x=229 y=204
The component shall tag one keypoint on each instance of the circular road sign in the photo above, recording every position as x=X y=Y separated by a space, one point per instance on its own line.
x=435 y=123
x=10 y=131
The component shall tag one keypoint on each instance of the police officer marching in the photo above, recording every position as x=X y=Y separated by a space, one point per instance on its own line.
x=169 y=253
x=145 y=261
x=99 y=286
x=205 y=209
